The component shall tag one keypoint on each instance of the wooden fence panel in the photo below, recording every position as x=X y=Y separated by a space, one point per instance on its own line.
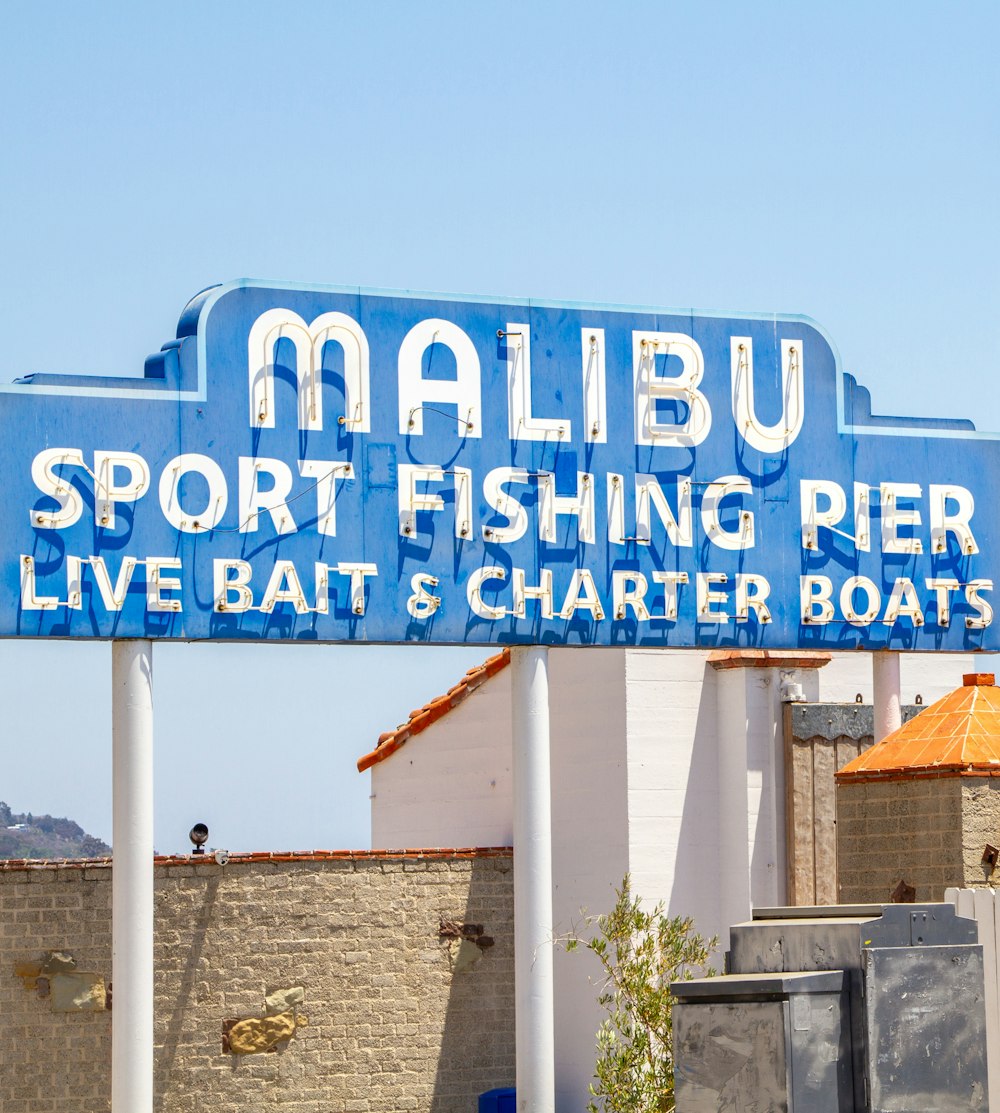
x=981 y=905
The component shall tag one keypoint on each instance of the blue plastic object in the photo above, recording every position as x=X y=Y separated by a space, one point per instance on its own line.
x=502 y=1100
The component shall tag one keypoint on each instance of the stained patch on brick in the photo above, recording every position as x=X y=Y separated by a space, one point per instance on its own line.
x=28 y=972
x=281 y=1000
x=460 y=938
x=58 y=962
x=54 y=976
x=260 y=1033
x=465 y=955
x=77 y=992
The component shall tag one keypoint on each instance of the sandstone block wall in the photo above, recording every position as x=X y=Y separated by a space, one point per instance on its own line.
x=398 y=1015
x=889 y=831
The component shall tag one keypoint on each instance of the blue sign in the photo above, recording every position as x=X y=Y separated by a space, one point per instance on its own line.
x=343 y=465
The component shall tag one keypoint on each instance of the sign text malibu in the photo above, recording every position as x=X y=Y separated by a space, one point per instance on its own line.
x=338 y=465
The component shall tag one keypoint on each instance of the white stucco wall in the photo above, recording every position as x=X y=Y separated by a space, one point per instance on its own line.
x=661 y=766
x=451 y=784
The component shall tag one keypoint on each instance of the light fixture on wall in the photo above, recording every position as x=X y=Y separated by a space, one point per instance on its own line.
x=199 y=836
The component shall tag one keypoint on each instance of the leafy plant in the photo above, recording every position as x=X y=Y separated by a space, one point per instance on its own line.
x=641 y=952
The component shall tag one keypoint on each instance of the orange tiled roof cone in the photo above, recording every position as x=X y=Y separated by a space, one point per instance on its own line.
x=957 y=736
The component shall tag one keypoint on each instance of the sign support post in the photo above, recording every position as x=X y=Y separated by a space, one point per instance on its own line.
x=132 y=876
x=886 y=691
x=533 y=942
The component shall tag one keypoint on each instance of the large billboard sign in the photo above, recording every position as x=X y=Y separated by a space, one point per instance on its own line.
x=344 y=465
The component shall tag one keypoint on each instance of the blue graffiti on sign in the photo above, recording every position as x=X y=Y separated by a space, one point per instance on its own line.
x=338 y=464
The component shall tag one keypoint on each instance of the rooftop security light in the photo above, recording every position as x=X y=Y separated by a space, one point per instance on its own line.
x=199 y=836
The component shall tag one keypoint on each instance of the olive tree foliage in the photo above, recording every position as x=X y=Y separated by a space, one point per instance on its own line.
x=641 y=952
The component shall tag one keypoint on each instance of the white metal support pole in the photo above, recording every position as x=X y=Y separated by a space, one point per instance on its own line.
x=533 y=942
x=886 y=686
x=132 y=877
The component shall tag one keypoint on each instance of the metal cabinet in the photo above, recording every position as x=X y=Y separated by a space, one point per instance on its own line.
x=901 y=1027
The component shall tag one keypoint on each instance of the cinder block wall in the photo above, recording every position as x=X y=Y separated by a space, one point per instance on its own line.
x=980 y=825
x=889 y=831
x=394 y=1021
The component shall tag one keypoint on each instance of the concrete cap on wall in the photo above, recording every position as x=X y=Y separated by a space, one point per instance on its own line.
x=721 y=659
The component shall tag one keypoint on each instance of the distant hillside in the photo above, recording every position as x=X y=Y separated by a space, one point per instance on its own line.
x=23 y=835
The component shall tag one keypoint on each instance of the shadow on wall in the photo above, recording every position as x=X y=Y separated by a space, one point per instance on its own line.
x=696 y=867
x=478 y=1029
x=166 y=1052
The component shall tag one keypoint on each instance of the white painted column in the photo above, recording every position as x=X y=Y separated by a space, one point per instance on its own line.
x=533 y=927
x=735 y=899
x=885 y=682
x=132 y=877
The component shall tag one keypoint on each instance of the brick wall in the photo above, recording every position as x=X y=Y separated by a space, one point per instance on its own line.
x=393 y=1024
x=980 y=825
x=889 y=831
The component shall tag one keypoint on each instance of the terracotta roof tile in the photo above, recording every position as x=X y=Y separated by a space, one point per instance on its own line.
x=421 y=719
x=959 y=734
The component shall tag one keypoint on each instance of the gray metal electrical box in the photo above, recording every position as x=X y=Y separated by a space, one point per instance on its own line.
x=763 y=1042
x=909 y=1032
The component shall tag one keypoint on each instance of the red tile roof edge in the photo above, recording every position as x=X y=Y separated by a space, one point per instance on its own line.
x=421 y=719
x=435 y=854
x=917 y=773
x=721 y=659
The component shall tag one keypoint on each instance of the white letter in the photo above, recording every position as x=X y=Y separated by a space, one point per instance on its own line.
x=903 y=603
x=415 y=391
x=113 y=595
x=157 y=582
x=751 y=595
x=284 y=586
x=29 y=600
x=651 y=388
x=472 y=591
x=943 y=589
x=411 y=500
x=943 y=523
x=594 y=392
x=711 y=502
x=815 y=591
x=215 y=504
x=984 y=612
x=521 y=592
x=767 y=438
x=325 y=472
x=46 y=480
x=708 y=598
x=505 y=504
x=872 y=595
x=253 y=500
x=551 y=505
x=522 y=426
x=309 y=341
x=893 y=517
x=649 y=494
x=810 y=492
x=105 y=464
x=628 y=589
x=422 y=603
x=357 y=572
x=224 y=585
x=321 y=577
x=582 y=595
x=670 y=580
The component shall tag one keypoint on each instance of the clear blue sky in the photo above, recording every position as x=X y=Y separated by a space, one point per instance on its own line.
x=837 y=160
